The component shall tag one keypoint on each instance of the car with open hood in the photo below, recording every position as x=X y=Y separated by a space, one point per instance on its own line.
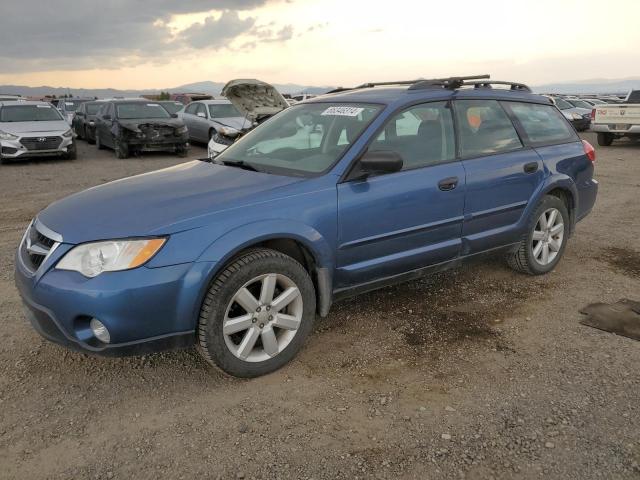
x=134 y=126
x=34 y=129
x=255 y=101
x=331 y=197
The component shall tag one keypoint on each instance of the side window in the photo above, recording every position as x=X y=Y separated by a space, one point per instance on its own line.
x=201 y=111
x=191 y=108
x=423 y=135
x=111 y=110
x=542 y=123
x=484 y=128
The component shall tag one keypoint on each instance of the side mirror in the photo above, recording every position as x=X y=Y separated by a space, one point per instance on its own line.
x=201 y=115
x=174 y=115
x=106 y=117
x=376 y=163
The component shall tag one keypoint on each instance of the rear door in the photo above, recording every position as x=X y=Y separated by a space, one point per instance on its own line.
x=398 y=222
x=501 y=174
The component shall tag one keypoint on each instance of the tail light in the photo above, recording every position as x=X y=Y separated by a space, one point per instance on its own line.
x=593 y=114
x=589 y=151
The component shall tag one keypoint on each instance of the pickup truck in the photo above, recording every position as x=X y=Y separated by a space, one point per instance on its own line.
x=618 y=120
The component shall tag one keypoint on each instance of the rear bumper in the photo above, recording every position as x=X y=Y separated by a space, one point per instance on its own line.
x=587 y=193
x=611 y=128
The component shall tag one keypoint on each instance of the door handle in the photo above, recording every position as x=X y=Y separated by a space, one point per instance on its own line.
x=531 y=167
x=447 y=184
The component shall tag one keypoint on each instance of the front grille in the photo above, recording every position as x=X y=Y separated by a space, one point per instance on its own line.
x=36 y=247
x=157 y=132
x=41 y=143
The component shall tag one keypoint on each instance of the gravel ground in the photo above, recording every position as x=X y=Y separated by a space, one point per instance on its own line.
x=474 y=373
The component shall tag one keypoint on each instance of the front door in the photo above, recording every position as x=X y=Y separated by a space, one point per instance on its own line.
x=399 y=222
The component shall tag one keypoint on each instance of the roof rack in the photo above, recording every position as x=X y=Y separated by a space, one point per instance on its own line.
x=450 y=83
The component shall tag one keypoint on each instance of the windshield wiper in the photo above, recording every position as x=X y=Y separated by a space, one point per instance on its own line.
x=239 y=164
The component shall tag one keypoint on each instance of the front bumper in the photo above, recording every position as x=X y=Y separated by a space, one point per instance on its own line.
x=14 y=149
x=144 y=309
x=217 y=145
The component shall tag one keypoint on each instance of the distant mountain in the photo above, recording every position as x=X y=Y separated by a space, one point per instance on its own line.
x=599 y=85
x=208 y=87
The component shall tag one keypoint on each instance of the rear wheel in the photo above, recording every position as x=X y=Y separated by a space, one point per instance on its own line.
x=605 y=139
x=257 y=314
x=543 y=245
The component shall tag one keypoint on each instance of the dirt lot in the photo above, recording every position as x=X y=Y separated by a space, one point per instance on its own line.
x=474 y=373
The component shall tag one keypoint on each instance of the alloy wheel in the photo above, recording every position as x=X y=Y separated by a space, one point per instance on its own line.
x=263 y=317
x=548 y=235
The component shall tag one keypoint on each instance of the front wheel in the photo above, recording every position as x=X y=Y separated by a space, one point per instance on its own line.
x=256 y=314
x=546 y=238
x=99 y=145
x=121 y=149
x=605 y=139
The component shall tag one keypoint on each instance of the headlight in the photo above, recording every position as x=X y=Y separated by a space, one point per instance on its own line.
x=228 y=131
x=68 y=133
x=181 y=130
x=7 y=136
x=91 y=259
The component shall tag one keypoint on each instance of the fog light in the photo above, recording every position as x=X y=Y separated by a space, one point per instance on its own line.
x=99 y=330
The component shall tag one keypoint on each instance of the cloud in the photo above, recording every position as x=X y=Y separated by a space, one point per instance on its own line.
x=72 y=34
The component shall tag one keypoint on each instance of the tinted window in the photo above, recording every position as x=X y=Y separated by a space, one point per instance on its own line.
x=306 y=138
x=223 y=110
x=422 y=135
x=29 y=113
x=542 y=123
x=484 y=128
x=141 y=110
x=92 y=108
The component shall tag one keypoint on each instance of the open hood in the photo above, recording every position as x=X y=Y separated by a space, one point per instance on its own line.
x=254 y=99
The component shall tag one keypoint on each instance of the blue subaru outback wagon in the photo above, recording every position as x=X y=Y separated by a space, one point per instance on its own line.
x=341 y=194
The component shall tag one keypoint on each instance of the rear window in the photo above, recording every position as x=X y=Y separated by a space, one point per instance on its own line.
x=542 y=123
x=484 y=128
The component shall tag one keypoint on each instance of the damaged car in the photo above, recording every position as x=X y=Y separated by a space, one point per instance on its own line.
x=134 y=126
x=84 y=121
x=255 y=101
x=208 y=118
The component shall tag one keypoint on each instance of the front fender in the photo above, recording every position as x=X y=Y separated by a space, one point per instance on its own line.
x=228 y=245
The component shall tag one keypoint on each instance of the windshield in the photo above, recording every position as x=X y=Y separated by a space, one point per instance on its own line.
x=71 y=105
x=172 y=107
x=562 y=104
x=304 y=139
x=223 y=110
x=141 y=110
x=92 y=108
x=29 y=113
x=579 y=104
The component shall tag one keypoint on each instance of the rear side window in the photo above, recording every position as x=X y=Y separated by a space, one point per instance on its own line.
x=484 y=128
x=421 y=135
x=542 y=123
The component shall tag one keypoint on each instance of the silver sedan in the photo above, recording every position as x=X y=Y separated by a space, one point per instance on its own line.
x=205 y=118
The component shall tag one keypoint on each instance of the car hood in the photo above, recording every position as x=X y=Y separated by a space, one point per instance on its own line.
x=159 y=202
x=22 y=128
x=254 y=99
x=135 y=123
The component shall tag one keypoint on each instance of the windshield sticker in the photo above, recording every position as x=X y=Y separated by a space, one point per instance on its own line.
x=343 y=111
x=43 y=106
x=153 y=104
x=69 y=104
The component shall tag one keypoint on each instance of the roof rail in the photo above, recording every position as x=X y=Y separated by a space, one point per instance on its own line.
x=451 y=83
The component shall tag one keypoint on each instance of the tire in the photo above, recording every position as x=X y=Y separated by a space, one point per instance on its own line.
x=121 y=149
x=182 y=152
x=84 y=133
x=212 y=134
x=99 y=145
x=525 y=259
x=248 y=272
x=605 y=139
x=91 y=139
x=78 y=133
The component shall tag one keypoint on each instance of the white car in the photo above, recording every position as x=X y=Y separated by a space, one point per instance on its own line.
x=34 y=129
x=256 y=101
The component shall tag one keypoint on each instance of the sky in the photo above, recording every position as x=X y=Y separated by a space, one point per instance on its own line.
x=149 y=44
